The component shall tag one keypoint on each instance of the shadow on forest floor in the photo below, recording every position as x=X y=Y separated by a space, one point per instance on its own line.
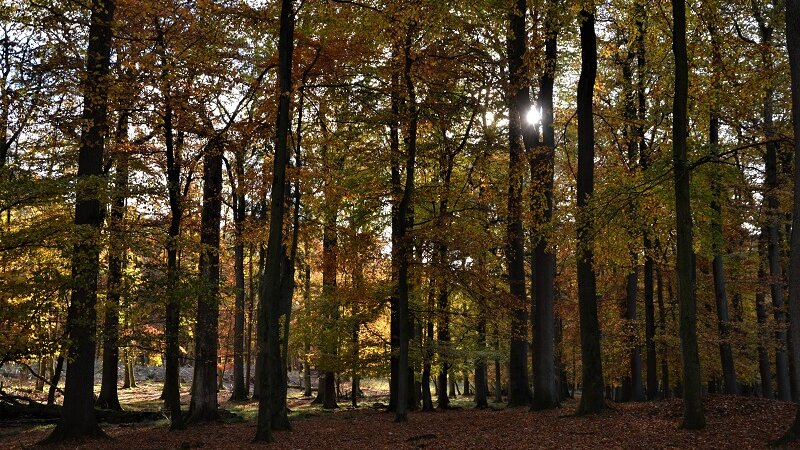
x=733 y=422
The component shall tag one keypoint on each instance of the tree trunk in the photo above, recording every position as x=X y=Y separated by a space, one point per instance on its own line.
x=77 y=416
x=481 y=385
x=404 y=237
x=108 y=398
x=172 y=313
x=203 y=406
x=239 y=210
x=764 y=339
x=331 y=305
x=519 y=392
x=693 y=417
x=272 y=412
x=592 y=376
x=51 y=393
x=545 y=392
x=248 y=346
x=793 y=48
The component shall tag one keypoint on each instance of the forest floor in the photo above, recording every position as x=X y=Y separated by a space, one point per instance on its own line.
x=732 y=422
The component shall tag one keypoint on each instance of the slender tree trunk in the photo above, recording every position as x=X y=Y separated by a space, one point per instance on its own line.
x=773 y=214
x=498 y=380
x=404 y=237
x=171 y=392
x=592 y=376
x=108 y=397
x=51 y=393
x=764 y=339
x=77 y=414
x=693 y=416
x=481 y=386
x=662 y=324
x=240 y=385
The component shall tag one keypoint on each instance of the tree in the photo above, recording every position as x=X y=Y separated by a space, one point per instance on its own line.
x=545 y=393
x=77 y=417
x=793 y=49
x=271 y=404
x=592 y=373
x=693 y=417
x=518 y=98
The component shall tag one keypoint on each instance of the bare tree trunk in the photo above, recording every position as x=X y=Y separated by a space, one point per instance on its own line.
x=693 y=416
x=77 y=415
x=203 y=405
x=272 y=412
x=592 y=400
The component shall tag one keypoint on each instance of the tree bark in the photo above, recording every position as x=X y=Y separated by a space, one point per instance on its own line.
x=764 y=339
x=404 y=237
x=793 y=49
x=108 y=397
x=203 y=405
x=592 y=374
x=545 y=391
x=693 y=416
x=519 y=391
x=272 y=412
x=77 y=416
x=239 y=213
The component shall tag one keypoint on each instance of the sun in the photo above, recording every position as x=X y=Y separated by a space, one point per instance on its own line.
x=533 y=116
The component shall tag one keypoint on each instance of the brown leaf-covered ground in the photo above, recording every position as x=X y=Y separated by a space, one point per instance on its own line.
x=732 y=423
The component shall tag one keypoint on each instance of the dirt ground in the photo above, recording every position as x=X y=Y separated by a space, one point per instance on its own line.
x=732 y=423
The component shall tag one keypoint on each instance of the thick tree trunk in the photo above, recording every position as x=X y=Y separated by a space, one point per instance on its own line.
x=793 y=47
x=693 y=416
x=77 y=416
x=108 y=398
x=592 y=374
x=545 y=392
x=518 y=97
x=272 y=412
x=203 y=406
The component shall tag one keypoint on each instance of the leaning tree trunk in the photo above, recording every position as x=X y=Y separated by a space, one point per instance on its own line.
x=108 y=397
x=77 y=414
x=693 y=417
x=203 y=404
x=270 y=405
x=592 y=375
